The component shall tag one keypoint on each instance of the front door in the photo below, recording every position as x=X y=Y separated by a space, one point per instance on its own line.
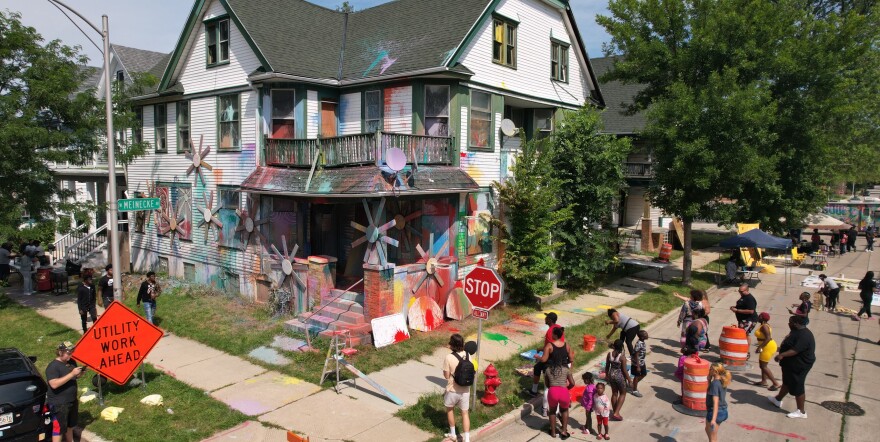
x=328 y=119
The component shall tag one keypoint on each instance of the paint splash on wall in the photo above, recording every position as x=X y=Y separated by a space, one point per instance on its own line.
x=383 y=58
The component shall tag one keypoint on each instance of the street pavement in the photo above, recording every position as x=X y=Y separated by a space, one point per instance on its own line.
x=847 y=363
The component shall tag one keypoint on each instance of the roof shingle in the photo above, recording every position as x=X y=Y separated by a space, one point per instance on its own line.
x=618 y=96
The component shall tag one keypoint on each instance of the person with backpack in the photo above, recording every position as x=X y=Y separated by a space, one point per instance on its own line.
x=459 y=372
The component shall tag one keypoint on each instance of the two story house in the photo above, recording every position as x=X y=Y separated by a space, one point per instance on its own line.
x=289 y=137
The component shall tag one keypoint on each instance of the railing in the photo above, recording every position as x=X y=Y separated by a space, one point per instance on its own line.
x=59 y=248
x=639 y=170
x=359 y=149
x=86 y=246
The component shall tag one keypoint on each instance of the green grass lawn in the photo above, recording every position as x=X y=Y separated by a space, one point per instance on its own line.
x=195 y=415
x=660 y=300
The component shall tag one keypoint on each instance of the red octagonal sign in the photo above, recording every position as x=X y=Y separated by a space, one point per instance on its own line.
x=118 y=343
x=483 y=287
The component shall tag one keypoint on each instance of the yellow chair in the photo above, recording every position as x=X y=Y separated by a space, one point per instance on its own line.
x=798 y=258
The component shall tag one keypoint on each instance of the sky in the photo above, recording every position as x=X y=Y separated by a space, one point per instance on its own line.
x=156 y=24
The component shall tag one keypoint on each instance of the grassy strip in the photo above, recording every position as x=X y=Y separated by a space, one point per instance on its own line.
x=660 y=300
x=196 y=415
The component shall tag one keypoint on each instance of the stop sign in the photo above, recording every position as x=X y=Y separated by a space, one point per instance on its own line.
x=483 y=287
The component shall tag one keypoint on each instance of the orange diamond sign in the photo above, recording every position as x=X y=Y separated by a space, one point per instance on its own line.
x=117 y=343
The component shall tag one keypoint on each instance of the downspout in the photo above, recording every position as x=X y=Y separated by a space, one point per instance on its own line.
x=342 y=51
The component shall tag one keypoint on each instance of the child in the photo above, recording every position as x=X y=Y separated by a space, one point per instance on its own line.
x=587 y=401
x=803 y=309
x=602 y=407
x=716 y=402
x=819 y=301
x=638 y=369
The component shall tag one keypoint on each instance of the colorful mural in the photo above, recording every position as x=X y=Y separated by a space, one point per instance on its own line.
x=858 y=215
x=175 y=215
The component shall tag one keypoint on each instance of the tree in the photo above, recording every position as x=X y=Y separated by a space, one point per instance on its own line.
x=531 y=203
x=589 y=166
x=43 y=118
x=346 y=7
x=748 y=101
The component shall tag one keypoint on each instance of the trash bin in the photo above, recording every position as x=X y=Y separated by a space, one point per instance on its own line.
x=44 y=279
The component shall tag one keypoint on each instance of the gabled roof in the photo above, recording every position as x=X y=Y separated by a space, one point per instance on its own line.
x=618 y=96
x=141 y=61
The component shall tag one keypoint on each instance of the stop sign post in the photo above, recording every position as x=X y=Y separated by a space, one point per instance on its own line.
x=484 y=289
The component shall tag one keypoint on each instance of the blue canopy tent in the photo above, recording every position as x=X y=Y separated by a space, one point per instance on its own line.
x=756 y=238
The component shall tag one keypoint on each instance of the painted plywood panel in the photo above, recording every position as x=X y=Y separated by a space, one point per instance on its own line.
x=312 y=114
x=532 y=74
x=397 y=103
x=350 y=114
x=195 y=76
x=389 y=330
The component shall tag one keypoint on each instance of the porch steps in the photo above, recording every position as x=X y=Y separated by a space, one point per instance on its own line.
x=343 y=313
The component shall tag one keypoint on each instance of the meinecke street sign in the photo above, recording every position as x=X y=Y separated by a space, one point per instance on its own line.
x=136 y=204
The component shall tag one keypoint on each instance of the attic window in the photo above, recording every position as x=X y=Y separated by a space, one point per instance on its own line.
x=217 y=41
x=559 y=61
x=504 y=42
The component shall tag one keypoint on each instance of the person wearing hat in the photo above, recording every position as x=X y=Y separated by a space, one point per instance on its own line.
x=85 y=301
x=61 y=374
x=766 y=348
x=549 y=319
x=106 y=285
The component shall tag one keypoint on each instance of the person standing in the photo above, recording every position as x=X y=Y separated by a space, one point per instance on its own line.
x=628 y=327
x=85 y=302
x=456 y=395
x=797 y=354
x=639 y=370
x=106 y=285
x=844 y=240
x=557 y=356
x=5 y=251
x=851 y=237
x=549 y=319
x=866 y=291
x=869 y=236
x=803 y=309
x=716 y=401
x=602 y=408
x=147 y=294
x=766 y=349
x=746 y=317
x=61 y=374
x=815 y=239
x=831 y=290
x=26 y=268
x=618 y=378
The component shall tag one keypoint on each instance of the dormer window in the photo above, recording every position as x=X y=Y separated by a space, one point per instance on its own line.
x=217 y=41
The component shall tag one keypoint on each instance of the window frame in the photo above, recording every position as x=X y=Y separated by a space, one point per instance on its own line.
x=163 y=127
x=272 y=106
x=183 y=143
x=543 y=133
x=231 y=242
x=510 y=32
x=559 y=61
x=237 y=121
x=380 y=120
x=490 y=145
x=137 y=132
x=213 y=28
x=448 y=108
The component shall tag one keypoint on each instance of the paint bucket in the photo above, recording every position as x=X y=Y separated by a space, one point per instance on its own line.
x=589 y=342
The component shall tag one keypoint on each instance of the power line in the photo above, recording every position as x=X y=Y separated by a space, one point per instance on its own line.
x=77 y=26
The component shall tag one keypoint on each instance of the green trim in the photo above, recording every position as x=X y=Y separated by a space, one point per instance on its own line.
x=216 y=19
x=507 y=23
x=491 y=141
x=524 y=96
x=261 y=143
x=472 y=34
x=364 y=108
x=457 y=99
x=247 y=37
x=164 y=128
x=217 y=122
x=177 y=122
x=559 y=4
x=559 y=42
x=214 y=65
x=500 y=16
x=565 y=46
x=181 y=43
x=418 y=107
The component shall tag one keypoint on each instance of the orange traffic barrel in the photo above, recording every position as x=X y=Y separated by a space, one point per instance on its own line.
x=665 y=252
x=589 y=342
x=734 y=347
x=44 y=280
x=694 y=385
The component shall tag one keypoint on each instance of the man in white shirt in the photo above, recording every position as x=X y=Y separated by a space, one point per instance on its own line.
x=831 y=290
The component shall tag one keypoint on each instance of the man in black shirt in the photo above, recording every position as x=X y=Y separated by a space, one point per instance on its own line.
x=797 y=354
x=106 y=285
x=745 y=308
x=85 y=301
x=61 y=375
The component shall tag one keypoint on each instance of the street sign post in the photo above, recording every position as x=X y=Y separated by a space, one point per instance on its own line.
x=484 y=289
x=137 y=204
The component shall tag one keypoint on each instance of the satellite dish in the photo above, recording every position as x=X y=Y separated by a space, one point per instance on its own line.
x=395 y=159
x=508 y=128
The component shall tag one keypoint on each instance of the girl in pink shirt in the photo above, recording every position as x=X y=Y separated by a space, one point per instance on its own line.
x=602 y=407
x=587 y=401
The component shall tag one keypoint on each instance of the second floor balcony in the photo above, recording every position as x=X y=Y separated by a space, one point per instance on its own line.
x=359 y=150
x=638 y=170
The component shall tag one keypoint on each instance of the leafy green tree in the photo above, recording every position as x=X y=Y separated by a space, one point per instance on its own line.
x=125 y=119
x=43 y=118
x=531 y=202
x=589 y=166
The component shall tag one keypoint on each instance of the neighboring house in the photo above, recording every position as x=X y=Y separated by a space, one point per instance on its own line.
x=639 y=175
x=304 y=110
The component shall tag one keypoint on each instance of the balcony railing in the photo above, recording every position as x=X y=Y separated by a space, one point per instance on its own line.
x=639 y=170
x=359 y=149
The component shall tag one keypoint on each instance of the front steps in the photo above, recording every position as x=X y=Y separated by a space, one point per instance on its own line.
x=343 y=313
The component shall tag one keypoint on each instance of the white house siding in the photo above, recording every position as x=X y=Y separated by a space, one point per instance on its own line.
x=313 y=114
x=635 y=206
x=483 y=167
x=229 y=168
x=397 y=103
x=197 y=77
x=350 y=114
x=537 y=20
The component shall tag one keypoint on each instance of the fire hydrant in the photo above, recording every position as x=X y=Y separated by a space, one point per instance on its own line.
x=491 y=383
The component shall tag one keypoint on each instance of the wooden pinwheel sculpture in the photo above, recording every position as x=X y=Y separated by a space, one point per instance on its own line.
x=286 y=261
x=174 y=219
x=248 y=223
x=209 y=215
x=197 y=157
x=403 y=228
x=375 y=236
x=151 y=193
x=430 y=263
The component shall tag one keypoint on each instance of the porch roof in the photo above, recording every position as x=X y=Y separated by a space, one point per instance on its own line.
x=358 y=181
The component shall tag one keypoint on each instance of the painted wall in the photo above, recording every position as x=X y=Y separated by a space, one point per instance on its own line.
x=483 y=166
x=313 y=114
x=350 y=113
x=398 y=109
x=537 y=21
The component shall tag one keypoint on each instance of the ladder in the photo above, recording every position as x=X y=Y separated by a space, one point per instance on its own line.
x=335 y=352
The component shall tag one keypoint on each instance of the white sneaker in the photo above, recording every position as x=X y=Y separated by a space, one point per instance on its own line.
x=796 y=414
x=775 y=401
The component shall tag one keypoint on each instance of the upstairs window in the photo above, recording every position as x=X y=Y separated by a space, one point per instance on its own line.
x=283 y=115
x=160 y=123
x=217 y=41
x=229 y=122
x=504 y=42
x=120 y=76
x=559 y=61
x=137 y=132
x=437 y=110
x=480 y=120
x=372 y=111
x=183 y=135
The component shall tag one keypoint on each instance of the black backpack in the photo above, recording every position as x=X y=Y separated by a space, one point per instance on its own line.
x=465 y=372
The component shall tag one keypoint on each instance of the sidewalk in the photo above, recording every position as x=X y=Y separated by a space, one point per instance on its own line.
x=358 y=413
x=844 y=348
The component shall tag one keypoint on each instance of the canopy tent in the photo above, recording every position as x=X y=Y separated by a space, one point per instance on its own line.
x=757 y=239
x=822 y=221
